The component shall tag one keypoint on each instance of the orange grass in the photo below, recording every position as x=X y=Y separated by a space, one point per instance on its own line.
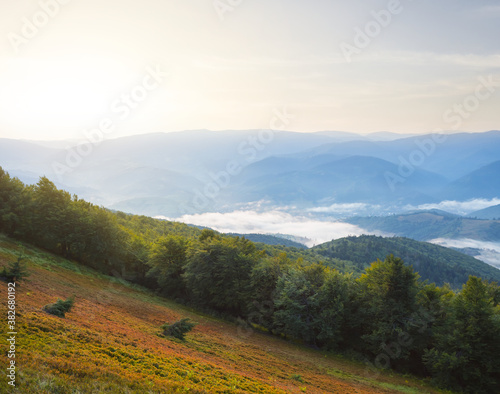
x=110 y=342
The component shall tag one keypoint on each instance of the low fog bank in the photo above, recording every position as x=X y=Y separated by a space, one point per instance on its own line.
x=275 y=222
x=345 y=210
x=488 y=252
x=462 y=208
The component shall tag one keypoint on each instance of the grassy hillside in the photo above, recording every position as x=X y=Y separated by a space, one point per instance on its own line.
x=110 y=342
x=436 y=263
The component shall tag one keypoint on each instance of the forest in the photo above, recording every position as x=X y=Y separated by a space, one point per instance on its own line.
x=435 y=263
x=385 y=316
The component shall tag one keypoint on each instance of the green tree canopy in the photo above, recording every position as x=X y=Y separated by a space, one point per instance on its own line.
x=218 y=273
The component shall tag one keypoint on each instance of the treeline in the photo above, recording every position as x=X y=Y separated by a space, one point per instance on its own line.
x=270 y=240
x=387 y=316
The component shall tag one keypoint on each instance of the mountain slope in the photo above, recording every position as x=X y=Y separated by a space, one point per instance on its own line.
x=109 y=342
x=196 y=151
x=482 y=183
x=275 y=165
x=156 y=172
x=268 y=239
x=352 y=179
x=167 y=170
x=451 y=155
x=490 y=213
x=428 y=225
x=26 y=159
x=436 y=263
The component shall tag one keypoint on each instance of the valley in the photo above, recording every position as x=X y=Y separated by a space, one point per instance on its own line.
x=312 y=232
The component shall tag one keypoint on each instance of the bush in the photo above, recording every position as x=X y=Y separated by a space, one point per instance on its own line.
x=297 y=377
x=60 y=307
x=178 y=329
x=16 y=271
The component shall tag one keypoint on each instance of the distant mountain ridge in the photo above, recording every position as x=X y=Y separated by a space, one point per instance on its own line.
x=492 y=213
x=450 y=155
x=173 y=174
x=428 y=225
x=484 y=182
x=355 y=178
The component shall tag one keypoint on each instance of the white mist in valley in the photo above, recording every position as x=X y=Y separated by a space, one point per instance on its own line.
x=488 y=252
x=458 y=207
x=275 y=222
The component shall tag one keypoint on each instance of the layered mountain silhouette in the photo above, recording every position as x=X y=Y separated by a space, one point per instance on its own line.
x=199 y=171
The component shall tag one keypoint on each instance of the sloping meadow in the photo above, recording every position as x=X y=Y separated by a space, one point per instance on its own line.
x=111 y=342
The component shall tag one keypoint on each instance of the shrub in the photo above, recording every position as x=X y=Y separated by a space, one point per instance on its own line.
x=60 y=307
x=178 y=329
x=16 y=271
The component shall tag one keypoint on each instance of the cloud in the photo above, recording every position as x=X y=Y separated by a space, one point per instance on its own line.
x=251 y=62
x=489 y=252
x=431 y=58
x=458 y=207
x=352 y=208
x=274 y=222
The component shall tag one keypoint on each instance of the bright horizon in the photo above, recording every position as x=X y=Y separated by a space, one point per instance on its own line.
x=83 y=138
x=398 y=66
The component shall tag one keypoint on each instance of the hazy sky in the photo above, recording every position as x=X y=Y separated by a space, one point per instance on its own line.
x=361 y=66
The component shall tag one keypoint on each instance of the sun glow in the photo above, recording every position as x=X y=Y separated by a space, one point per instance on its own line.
x=62 y=95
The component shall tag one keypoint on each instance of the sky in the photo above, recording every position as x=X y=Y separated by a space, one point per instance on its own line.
x=130 y=67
